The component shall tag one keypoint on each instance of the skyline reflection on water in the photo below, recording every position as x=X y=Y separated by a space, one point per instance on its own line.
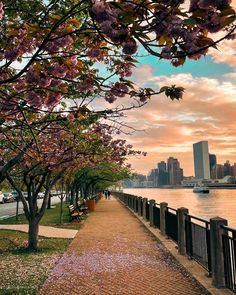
x=219 y=202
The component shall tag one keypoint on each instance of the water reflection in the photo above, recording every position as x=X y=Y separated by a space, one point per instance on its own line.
x=219 y=202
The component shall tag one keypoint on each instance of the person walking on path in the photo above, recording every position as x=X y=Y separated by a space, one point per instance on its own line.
x=119 y=259
x=108 y=194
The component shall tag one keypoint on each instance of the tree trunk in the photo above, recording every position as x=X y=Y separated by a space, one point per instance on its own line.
x=17 y=207
x=61 y=211
x=72 y=196
x=49 y=202
x=33 y=234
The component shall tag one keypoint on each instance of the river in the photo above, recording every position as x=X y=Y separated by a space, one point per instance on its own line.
x=219 y=202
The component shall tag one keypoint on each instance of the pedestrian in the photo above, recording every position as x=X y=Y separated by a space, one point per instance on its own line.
x=108 y=194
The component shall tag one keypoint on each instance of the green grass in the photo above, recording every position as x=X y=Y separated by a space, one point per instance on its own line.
x=13 y=242
x=51 y=217
x=24 y=272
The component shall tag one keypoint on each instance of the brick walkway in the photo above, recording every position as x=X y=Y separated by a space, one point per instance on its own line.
x=113 y=254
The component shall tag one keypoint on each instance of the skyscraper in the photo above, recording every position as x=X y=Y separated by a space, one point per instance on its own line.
x=175 y=172
x=212 y=160
x=201 y=160
x=163 y=176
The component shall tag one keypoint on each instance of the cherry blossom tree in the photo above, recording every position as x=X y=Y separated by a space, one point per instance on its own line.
x=59 y=59
x=60 y=148
x=51 y=52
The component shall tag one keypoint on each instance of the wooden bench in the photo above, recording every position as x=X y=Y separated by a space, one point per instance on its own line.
x=73 y=214
x=82 y=208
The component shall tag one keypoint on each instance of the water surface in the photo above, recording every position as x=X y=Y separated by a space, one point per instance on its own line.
x=219 y=202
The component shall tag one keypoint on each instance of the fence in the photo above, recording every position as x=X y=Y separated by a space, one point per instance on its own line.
x=210 y=243
x=171 y=224
x=229 y=248
x=197 y=232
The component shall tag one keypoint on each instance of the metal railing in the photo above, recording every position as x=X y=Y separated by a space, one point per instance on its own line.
x=156 y=215
x=147 y=211
x=229 y=249
x=171 y=224
x=211 y=244
x=198 y=247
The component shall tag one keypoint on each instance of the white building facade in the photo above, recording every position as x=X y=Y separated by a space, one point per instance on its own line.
x=201 y=160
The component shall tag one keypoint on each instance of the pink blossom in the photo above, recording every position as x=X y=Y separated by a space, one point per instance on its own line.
x=52 y=99
x=1 y=10
x=34 y=99
x=130 y=47
x=12 y=54
x=93 y=52
x=70 y=117
x=109 y=97
x=86 y=85
x=124 y=70
x=119 y=89
x=58 y=70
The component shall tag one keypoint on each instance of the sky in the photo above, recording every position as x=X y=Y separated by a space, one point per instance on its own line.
x=207 y=112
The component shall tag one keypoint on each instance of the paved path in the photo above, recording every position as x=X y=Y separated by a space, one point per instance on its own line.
x=113 y=254
x=44 y=231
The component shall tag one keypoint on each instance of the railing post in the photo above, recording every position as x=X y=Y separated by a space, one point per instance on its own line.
x=181 y=230
x=125 y=199
x=135 y=203
x=163 y=209
x=139 y=205
x=151 y=212
x=144 y=208
x=217 y=256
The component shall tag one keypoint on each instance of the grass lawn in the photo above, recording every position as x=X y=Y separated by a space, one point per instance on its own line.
x=24 y=272
x=51 y=217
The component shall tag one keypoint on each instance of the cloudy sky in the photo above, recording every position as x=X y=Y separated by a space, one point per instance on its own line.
x=207 y=111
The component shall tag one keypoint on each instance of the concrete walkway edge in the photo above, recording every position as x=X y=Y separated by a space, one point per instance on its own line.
x=189 y=264
x=44 y=231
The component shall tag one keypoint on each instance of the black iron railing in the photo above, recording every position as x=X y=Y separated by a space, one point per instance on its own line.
x=195 y=234
x=156 y=215
x=198 y=246
x=147 y=210
x=229 y=250
x=171 y=224
x=141 y=209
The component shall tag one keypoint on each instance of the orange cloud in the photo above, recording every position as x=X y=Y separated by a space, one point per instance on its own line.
x=207 y=112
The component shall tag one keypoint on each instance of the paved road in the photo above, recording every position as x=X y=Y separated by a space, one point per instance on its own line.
x=9 y=209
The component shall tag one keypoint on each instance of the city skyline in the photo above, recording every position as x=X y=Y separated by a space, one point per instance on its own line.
x=206 y=113
x=208 y=168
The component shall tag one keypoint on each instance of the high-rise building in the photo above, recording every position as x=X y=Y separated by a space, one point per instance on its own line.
x=213 y=162
x=153 y=177
x=234 y=169
x=163 y=176
x=227 y=168
x=219 y=171
x=161 y=166
x=201 y=160
x=175 y=172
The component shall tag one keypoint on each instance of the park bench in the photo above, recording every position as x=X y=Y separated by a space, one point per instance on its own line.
x=73 y=214
x=82 y=208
